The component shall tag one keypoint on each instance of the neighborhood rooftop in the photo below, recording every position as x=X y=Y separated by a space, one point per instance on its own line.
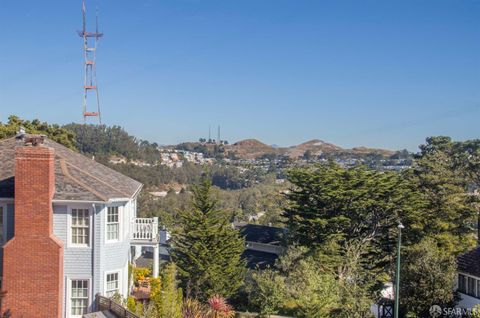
x=77 y=178
x=469 y=263
x=263 y=234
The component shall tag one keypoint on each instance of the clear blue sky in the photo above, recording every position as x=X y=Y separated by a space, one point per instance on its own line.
x=374 y=73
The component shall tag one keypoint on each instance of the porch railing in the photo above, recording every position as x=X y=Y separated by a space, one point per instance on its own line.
x=104 y=303
x=144 y=230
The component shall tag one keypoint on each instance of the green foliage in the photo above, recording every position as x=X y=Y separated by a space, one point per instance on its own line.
x=114 y=140
x=476 y=311
x=53 y=132
x=449 y=213
x=330 y=204
x=355 y=284
x=206 y=249
x=267 y=291
x=428 y=276
x=318 y=283
x=314 y=289
x=134 y=306
x=165 y=295
x=169 y=301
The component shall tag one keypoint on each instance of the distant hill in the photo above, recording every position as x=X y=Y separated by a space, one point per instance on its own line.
x=252 y=148
x=316 y=147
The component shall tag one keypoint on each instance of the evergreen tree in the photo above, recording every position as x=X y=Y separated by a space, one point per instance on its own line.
x=449 y=214
x=428 y=276
x=206 y=249
x=331 y=205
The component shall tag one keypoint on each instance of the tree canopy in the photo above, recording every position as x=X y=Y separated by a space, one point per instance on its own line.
x=52 y=131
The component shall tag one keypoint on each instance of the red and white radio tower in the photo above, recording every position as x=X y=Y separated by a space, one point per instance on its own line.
x=90 y=40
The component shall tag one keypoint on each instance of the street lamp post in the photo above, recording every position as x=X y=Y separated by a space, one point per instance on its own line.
x=397 y=276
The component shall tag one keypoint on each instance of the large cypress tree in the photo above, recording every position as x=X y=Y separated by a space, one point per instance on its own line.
x=442 y=173
x=328 y=203
x=206 y=249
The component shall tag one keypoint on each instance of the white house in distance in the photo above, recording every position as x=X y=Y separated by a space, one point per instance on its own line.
x=68 y=229
x=468 y=280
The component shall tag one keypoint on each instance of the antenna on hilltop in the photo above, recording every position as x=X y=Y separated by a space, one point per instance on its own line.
x=90 y=40
x=218 y=135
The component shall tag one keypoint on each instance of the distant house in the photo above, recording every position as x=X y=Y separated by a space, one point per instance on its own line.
x=263 y=244
x=68 y=229
x=468 y=279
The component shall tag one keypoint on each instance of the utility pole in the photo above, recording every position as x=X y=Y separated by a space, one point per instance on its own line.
x=397 y=276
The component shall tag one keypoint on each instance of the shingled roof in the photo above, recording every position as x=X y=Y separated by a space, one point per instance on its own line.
x=469 y=263
x=263 y=234
x=77 y=177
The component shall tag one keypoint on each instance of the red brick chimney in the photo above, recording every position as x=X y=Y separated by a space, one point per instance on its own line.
x=33 y=258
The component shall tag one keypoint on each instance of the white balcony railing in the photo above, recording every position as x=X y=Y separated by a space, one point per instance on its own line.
x=144 y=230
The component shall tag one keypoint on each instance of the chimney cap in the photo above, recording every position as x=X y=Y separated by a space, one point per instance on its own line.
x=34 y=140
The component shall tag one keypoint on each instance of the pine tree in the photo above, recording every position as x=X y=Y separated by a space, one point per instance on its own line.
x=206 y=249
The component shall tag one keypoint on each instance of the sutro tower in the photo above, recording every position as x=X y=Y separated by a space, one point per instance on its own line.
x=90 y=87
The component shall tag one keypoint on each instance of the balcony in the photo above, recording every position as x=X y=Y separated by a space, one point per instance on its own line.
x=144 y=231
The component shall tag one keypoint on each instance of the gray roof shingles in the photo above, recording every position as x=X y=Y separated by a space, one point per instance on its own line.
x=469 y=262
x=77 y=178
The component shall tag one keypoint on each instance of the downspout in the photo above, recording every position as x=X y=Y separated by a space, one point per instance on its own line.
x=93 y=256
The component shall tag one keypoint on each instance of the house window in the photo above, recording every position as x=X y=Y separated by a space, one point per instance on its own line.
x=462 y=284
x=113 y=224
x=79 y=297
x=478 y=288
x=112 y=284
x=80 y=226
x=471 y=284
x=2 y=225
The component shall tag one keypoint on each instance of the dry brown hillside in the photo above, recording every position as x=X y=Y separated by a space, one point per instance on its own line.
x=252 y=148
x=316 y=146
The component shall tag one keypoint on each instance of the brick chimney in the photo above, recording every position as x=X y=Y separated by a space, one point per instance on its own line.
x=33 y=258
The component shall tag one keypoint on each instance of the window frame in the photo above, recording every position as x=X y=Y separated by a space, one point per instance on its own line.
x=69 y=294
x=70 y=223
x=4 y=225
x=119 y=282
x=120 y=215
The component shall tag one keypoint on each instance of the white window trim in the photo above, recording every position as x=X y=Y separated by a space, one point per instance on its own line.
x=4 y=223
x=69 y=295
x=69 y=226
x=120 y=223
x=117 y=271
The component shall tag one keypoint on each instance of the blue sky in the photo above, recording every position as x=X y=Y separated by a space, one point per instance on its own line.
x=374 y=73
